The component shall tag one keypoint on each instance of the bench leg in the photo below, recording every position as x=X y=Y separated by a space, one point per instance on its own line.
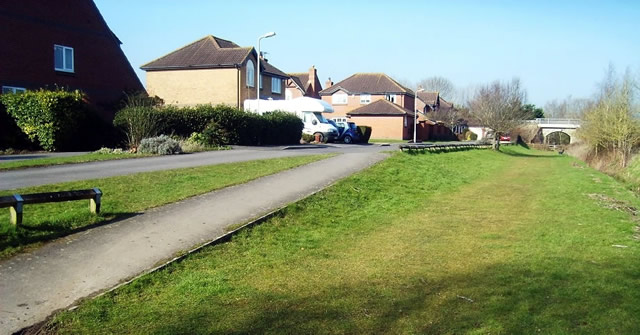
x=16 y=214
x=94 y=203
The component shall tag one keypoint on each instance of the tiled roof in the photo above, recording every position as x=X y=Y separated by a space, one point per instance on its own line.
x=208 y=52
x=369 y=83
x=301 y=79
x=266 y=67
x=429 y=98
x=380 y=107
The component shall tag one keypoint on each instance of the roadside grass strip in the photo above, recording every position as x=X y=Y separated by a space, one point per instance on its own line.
x=50 y=161
x=124 y=196
x=471 y=242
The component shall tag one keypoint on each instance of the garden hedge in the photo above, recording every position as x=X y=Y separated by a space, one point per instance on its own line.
x=234 y=125
x=49 y=118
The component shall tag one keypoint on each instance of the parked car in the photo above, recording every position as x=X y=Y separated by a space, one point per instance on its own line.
x=505 y=138
x=347 y=131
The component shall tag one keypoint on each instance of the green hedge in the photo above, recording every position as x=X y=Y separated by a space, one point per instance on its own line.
x=49 y=118
x=365 y=133
x=237 y=126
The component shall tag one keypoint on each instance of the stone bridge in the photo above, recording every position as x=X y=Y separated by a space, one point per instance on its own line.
x=557 y=127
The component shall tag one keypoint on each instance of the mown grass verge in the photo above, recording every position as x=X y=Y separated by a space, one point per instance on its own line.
x=127 y=195
x=49 y=161
x=468 y=242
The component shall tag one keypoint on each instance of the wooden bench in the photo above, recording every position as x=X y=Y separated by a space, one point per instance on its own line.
x=17 y=201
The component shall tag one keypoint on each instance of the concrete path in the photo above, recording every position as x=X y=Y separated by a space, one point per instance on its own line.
x=34 y=285
x=13 y=179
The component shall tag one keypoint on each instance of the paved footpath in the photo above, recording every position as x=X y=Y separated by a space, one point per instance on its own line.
x=13 y=179
x=35 y=284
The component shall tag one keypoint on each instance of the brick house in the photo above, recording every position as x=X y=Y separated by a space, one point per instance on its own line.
x=48 y=44
x=428 y=101
x=303 y=84
x=386 y=119
x=362 y=89
x=212 y=70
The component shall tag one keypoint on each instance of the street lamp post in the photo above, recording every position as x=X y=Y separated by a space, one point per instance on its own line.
x=267 y=35
x=415 y=113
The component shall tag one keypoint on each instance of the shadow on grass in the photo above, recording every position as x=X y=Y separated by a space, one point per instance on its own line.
x=19 y=157
x=24 y=235
x=503 y=298
x=527 y=154
x=415 y=152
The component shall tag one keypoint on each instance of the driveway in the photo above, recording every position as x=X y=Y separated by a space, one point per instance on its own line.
x=35 y=284
x=13 y=179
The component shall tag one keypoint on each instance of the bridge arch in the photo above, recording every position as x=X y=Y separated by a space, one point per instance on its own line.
x=558 y=137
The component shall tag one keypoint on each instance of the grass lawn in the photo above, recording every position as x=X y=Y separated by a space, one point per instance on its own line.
x=386 y=140
x=48 y=161
x=474 y=242
x=126 y=195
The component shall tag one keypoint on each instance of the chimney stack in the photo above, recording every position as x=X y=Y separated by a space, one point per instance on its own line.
x=312 y=78
x=328 y=83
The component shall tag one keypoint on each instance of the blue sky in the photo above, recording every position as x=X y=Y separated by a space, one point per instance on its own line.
x=557 y=48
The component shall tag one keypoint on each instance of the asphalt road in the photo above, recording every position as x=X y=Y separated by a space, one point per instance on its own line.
x=13 y=179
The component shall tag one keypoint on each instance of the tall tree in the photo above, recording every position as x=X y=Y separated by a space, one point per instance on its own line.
x=498 y=106
x=532 y=111
x=438 y=84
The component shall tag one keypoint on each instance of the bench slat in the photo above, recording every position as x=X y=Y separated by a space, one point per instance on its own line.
x=38 y=198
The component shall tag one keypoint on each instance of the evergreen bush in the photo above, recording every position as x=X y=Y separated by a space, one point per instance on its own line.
x=49 y=118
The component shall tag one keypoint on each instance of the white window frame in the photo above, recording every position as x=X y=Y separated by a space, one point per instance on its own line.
x=12 y=90
x=64 y=67
x=276 y=85
x=251 y=74
x=365 y=99
x=339 y=98
x=391 y=97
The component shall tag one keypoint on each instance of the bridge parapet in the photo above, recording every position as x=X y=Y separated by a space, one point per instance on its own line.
x=557 y=123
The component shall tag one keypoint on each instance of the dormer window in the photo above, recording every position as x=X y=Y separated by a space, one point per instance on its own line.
x=63 y=58
x=251 y=74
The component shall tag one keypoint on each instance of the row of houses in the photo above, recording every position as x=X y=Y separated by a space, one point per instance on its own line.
x=49 y=44
x=213 y=70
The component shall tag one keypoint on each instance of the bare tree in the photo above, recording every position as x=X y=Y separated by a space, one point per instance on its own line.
x=439 y=84
x=612 y=125
x=498 y=106
x=567 y=108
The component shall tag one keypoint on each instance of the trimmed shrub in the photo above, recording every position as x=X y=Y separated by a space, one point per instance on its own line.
x=281 y=128
x=365 y=133
x=160 y=145
x=137 y=122
x=11 y=136
x=214 y=135
x=49 y=118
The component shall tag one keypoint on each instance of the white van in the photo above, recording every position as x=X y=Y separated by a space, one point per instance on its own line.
x=309 y=110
